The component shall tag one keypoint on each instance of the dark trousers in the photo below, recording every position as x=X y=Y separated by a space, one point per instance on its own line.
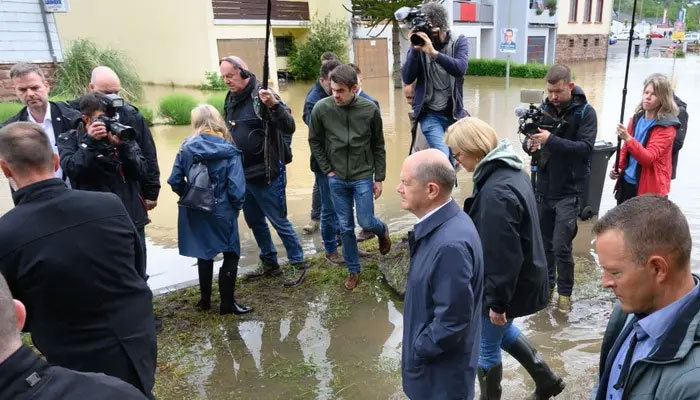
x=142 y=237
x=558 y=218
x=316 y=203
x=625 y=192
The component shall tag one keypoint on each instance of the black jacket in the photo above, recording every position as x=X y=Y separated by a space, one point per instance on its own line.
x=64 y=118
x=680 y=132
x=74 y=259
x=57 y=383
x=564 y=164
x=265 y=151
x=98 y=166
x=504 y=211
x=131 y=116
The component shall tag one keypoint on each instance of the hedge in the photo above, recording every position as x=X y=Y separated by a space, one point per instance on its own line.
x=8 y=109
x=497 y=67
x=176 y=108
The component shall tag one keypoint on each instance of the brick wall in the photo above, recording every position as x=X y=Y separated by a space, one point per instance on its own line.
x=7 y=91
x=581 y=47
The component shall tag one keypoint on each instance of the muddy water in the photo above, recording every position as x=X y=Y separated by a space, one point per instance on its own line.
x=312 y=355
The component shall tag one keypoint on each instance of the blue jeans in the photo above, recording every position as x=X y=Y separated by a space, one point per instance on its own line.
x=433 y=125
x=329 y=219
x=270 y=201
x=343 y=193
x=493 y=339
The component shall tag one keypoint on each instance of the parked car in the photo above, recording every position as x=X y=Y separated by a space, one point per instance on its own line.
x=626 y=36
x=692 y=37
x=613 y=39
x=656 y=35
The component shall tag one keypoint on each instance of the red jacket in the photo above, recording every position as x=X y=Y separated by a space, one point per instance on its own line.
x=653 y=157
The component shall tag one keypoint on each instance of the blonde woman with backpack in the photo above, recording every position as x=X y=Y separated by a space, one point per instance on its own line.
x=208 y=177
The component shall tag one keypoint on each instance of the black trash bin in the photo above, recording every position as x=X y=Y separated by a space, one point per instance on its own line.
x=590 y=201
x=636 y=49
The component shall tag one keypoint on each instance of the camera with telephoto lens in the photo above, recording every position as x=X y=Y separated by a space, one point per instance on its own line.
x=112 y=103
x=533 y=118
x=417 y=21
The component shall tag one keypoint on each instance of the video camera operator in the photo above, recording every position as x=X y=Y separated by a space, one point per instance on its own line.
x=437 y=62
x=102 y=155
x=564 y=166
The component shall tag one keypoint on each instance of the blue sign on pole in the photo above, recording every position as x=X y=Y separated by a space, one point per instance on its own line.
x=56 y=6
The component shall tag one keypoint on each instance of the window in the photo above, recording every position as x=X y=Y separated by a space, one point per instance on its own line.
x=571 y=43
x=599 y=14
x=587 y=9
x=573 y=10
x=585 y=42
x=597 y=42
x=283 y=45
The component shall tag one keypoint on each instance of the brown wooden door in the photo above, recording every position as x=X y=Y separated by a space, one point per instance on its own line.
x=372 y=58
x=250 y=50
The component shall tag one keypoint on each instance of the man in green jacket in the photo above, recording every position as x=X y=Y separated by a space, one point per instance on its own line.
x=651 y=347
x=346 y=139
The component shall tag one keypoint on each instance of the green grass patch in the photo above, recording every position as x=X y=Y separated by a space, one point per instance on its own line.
x=8 y=109
x=497 y=67
x=176 y=108
x=74 y=73
x=217 y=100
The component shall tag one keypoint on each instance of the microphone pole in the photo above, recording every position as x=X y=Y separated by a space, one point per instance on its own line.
x=624 y=89
x=266 y=62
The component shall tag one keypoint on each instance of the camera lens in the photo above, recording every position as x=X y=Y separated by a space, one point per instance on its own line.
x=417 y=40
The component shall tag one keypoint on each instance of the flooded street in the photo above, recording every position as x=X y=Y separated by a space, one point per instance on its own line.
x=347 y=346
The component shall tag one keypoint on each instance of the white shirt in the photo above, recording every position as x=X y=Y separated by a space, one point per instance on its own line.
x=47 y=125
x=433 y=212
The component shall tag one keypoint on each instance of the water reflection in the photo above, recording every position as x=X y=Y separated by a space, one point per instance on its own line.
x=314 y=340
x=390 y=359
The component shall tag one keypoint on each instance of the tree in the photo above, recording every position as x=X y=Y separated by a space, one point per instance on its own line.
x=381 y=12
x=324 y=35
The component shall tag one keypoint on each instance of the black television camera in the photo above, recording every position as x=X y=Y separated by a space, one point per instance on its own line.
x=418 y=23
x=533 y=118
x=112 y=103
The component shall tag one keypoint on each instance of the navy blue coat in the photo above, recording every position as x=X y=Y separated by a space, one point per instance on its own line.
x=203 y=234
x=442 y=307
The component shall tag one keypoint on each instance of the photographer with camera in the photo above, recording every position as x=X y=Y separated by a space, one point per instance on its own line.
x=563 y=168
x=437 y=62
x=102 y=155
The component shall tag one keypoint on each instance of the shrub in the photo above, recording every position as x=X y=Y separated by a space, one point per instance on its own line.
x=73 y=75
x=678 y=53
x=8 y=109
x=324 y=35
x=497 y=67
x=217 y=100
x=213 y=82
x=147 y=113
x=176 y=108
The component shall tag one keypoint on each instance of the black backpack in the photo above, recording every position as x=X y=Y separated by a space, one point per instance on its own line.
x=199 y=193
x=680 y=132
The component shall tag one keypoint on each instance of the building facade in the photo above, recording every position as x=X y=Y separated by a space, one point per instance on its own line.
x=584 y=28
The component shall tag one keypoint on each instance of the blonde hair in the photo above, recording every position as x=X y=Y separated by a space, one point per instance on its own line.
x=206 y=118
x=664 y=92
x=472 y=136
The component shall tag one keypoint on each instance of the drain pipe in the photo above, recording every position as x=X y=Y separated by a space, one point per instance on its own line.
x=52 y=52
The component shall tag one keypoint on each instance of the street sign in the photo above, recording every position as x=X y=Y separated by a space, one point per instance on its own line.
x=56 y=6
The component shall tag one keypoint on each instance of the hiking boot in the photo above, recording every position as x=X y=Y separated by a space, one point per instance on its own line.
x=204 y=304
x=364 y=235
x=352 y=281
x=335 y=258
x=264 y=270
x=547 y=383
x=384 y=241
x=311 y=227
x=296 y=275
x=564 y=304
x=490 y=382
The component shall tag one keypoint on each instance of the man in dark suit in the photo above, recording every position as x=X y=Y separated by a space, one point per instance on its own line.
x=32 y=89
x=442 y=307
x=74 y=259
x=24 y=375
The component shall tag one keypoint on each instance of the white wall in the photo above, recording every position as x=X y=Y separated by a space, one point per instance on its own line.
x=22 y=33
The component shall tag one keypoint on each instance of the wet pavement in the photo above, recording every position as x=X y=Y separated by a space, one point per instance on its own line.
x=309 y=353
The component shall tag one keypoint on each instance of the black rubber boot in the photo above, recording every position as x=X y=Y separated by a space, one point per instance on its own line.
x=490 y=382
x=205 y=268
x=227 y=286
x=547 y=384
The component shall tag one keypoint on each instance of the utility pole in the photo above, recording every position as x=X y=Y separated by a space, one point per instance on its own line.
x=510 y=8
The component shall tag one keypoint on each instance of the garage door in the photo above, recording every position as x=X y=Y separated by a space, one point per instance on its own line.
x=372 y=57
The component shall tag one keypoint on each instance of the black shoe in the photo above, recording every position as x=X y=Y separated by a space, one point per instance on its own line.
x=297 y=275
x=490 y=382
x=547 y=384
x=240 y=309
x=264 y=270
x=204 y=304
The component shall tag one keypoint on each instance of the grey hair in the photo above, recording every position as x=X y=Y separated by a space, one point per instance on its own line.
x=438 y=172
x=437 y=14
x=650 y=224
x=22 y=69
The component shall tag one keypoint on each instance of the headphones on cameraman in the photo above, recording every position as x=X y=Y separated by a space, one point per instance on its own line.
x=245 y=74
